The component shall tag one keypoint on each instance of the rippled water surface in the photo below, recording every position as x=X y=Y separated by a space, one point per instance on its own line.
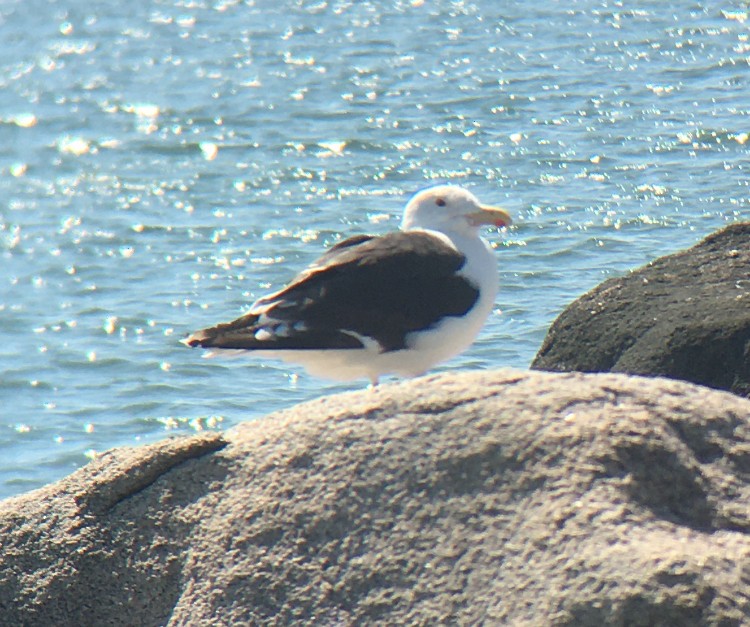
x=162 y=164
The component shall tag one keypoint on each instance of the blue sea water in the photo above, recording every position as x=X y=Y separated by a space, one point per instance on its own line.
x=164 y=163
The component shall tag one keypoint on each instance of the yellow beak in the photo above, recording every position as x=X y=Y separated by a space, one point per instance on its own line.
x=490 y=215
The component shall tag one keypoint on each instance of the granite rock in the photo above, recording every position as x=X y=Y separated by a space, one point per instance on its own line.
x=684 y=316
x=505 y=497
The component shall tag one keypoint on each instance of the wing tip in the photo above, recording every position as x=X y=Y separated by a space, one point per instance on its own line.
x=194 y=340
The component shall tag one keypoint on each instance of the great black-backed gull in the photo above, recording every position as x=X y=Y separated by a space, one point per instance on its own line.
x=373 y=305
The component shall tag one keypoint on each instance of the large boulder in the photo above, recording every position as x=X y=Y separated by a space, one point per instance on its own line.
x=483 y=498
x=684 y=316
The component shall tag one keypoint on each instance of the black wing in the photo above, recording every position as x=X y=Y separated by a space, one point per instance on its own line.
x=374 y=287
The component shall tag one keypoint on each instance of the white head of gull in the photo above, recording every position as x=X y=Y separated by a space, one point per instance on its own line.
x=398 y=303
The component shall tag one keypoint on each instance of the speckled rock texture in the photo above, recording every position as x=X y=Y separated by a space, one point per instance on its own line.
x=505 y=497
x=684 y=316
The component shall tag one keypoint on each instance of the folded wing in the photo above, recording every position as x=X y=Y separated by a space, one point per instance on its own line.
x=363 y=289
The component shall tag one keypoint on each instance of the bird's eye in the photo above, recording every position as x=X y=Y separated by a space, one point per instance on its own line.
x=440 y=202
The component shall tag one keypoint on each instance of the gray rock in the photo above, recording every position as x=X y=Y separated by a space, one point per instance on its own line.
x=497 y=498
x=685 y=316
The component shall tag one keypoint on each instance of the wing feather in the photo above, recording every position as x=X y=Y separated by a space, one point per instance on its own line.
x=365 y=287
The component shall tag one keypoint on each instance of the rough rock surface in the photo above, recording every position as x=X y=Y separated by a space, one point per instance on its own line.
x=483 y=498
x=684 y=316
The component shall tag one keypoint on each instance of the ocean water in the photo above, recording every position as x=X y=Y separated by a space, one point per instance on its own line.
x=164 y=163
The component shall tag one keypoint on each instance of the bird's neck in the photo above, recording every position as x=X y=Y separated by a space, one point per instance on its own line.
x=460 y=239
